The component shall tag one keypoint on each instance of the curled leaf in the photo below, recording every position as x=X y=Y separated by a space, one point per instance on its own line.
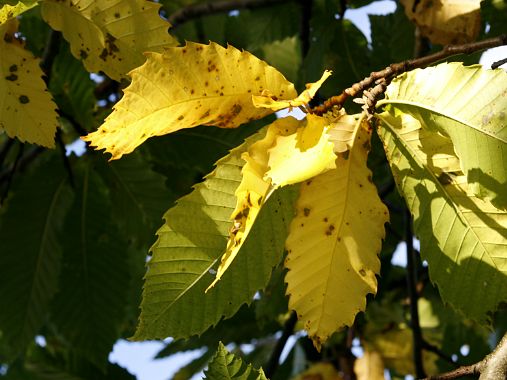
x=269 y=100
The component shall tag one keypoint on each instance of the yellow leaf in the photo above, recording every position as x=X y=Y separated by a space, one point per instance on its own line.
x=301 y=155
x=26 y=109
x=281 y=150
x=109 y=35
x=185 y=87
x=271 y=100
x=8 y=12
x=446 y=21
x=320 y=371
x=369 y=367
x=335 y=238
x=253 y=191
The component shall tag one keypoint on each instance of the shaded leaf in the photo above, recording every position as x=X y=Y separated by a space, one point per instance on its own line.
x=226 y=366
x=335 y=237
x=138 y=194
x=27 y=111
x=31 y=233
x=186 y=255
x=109 y=36
x=185 y=87
x=89 y=308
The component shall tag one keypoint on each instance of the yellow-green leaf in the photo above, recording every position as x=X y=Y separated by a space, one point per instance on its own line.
x=185 y=87
x=8 y=12
x=292 y=151
x=335 y=238
x=270 y=99
x=27 y=110
x=462 y=236
x=109 y=35
x=466 y=104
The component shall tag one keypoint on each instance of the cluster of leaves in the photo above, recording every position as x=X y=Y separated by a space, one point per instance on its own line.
x=290 y=217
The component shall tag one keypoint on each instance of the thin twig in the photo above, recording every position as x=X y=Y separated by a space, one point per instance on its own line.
x=398 y=68
x=273 y=362
x=499 y=63
x=412 y=292
x=492 y=367
x=196 y=10
x=432 y=348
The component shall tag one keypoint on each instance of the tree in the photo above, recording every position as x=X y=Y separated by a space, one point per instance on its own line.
x=293 y=230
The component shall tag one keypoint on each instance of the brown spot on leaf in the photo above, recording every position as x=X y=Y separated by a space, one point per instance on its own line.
x=23 y=99
x=306 y=211
x=362 y=272
x=181 y=117
x=236 y=109
x=325 y=219
x=117 y=15
x=205 y=114
x=13 y=68
x=12 y=77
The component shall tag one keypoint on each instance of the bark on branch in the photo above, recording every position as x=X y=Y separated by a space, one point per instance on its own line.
x=492 y=367
x=201 y=9
x=395 y=69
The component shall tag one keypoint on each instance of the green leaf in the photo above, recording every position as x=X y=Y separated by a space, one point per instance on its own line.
x=226 y=366
x=30 y=232
x=188 y=252
x=466 y=104
x=72 y=88
x=463 y=238
x=89 y=308
x=138 y=194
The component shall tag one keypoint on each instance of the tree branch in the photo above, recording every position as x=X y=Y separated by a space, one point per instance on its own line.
x=202 y=9
x=412 y=292
x=492 y=367
x=395 y=69
x=273 y=362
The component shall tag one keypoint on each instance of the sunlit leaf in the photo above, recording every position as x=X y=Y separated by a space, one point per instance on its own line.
x=335 y=237
x=291 y=152
x=186 y=255
x=27 y=111
x=466 y=104
x=185 y=87
x=462 y=237
x=446 y=21
x=226 y=366
x=323 y=371
x=269 y=99
x=8 y=12
x=109 y=36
